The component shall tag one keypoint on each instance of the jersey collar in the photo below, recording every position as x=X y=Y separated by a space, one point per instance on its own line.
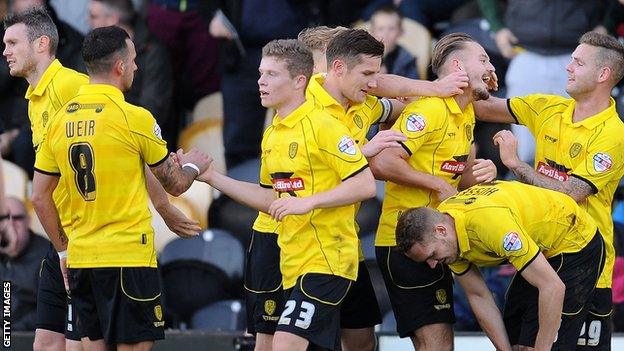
x=317 y=93
x=100 y=89
x=294 y=117
x=460 y=229
x=45 y=80
x=593 y=121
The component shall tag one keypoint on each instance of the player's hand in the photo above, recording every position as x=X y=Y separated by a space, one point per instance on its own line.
x=178 y=223
x=64 y=272
x=508 y=148
x=383 y=140
x=445 y=190
x=8 y=238
x=206 y=177
x=201 y=160
x=483 y=170
x=453 y=84
x=291 y=205
x=493 y=82
x=505 y=41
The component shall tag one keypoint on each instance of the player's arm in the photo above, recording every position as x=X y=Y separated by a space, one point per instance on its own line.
x=391 y=85
x=575 y=187
x=175 y=179
x=175 y=220
x=551 y=289
x=43 y=187
x=392 y=165
x=493 y=110
x=249 y=194
x=482 y=303
x=356 y=188
x=477 y=170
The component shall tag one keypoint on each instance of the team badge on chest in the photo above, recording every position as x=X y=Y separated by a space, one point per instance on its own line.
x=575 y=150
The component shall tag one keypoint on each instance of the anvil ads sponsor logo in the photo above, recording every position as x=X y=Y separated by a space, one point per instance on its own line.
x=457 y=166
x=553 y=170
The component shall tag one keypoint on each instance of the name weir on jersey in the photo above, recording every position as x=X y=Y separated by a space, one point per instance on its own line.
x=80 y=128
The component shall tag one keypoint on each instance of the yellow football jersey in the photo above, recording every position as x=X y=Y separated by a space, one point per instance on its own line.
x=264 y=223
x=439 y=136
x=98 y=144
x=57 y=85
x=306 y=153
x=529 y=220
x=591 y=150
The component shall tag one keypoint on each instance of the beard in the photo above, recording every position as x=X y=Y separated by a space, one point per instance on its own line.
x=480 y=94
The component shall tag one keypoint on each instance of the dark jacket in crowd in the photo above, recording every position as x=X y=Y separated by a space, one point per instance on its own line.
x=401 y=63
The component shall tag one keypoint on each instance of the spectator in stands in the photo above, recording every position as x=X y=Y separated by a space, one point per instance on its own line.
x=152 y=87
x=21 y=252
x=425 y=12
x=539 y=37
x=386 y=26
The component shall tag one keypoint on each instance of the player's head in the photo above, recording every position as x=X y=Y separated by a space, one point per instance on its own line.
x=599 y=59
x=104 y=13
x=426 y=235
x=316 y=40
x=109 y=54
x=29 y=37
x=386 y=26
x=354 y=59
x=285 y=69
x=459 y=51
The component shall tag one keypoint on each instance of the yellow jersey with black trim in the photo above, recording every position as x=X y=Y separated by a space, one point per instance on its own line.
x=98 y=144
x=57 y=85
x=306 y=153
x=591 y=150
x=529 y=220
x=439 y=136
x=264 y=223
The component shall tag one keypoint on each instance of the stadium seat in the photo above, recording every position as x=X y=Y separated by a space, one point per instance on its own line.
x=209 y=107
x=229 y=215
x=213 y=246
x=15 y=180
x=199 y=196
x=416 y=39
x=248 y=171
x=207 y=136
x=227 y=315
x=388 y=323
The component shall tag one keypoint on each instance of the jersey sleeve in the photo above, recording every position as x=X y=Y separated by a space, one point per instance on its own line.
x=147 y=135
x=527 y=110
x=507 y=240
x=604 y=160
x=265 y=177
x=379 y=109
x=338 y=149
x=459 y=267
x=419 y=122
x=44 y=160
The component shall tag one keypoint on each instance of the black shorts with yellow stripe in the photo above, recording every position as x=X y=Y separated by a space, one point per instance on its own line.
x=312 y=309
x=263 y=284
x=419 y=295
x=579 y=272
x=54 y=308
x=119 y=305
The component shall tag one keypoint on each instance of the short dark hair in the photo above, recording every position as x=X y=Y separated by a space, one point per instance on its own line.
x=610 y=55
x=350 y=44
x=102 y=46
x=124 y=8
x=297 y=57
x=446 y=46
x=414 y=225
x=38 y=23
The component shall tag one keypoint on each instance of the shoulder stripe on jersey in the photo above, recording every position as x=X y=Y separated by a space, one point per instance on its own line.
x=54 y=174
x=160 y=162
x=465 y=271
x=594 y=188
